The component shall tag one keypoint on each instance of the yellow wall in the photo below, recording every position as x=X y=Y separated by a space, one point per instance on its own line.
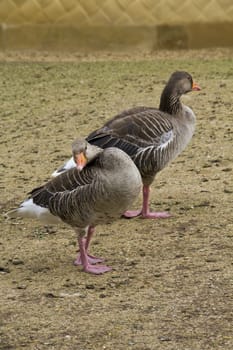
x=109 y=23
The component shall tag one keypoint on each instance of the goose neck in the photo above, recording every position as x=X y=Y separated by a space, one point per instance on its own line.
x=170 y=101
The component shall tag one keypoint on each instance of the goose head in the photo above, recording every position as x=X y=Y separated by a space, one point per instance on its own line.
x=181 y=82
x=84 y=152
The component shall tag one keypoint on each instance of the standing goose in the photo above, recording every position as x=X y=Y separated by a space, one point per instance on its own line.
x=152 y=137
x=99 y=189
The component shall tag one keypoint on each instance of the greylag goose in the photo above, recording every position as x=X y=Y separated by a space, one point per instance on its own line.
x=99 y=189
x=152 y=137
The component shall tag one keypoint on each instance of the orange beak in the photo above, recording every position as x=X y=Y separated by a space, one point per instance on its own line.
x=196 y=87
x=80 y=161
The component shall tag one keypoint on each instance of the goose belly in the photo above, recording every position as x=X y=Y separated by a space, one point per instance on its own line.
x=173 y=149
x=110 y=205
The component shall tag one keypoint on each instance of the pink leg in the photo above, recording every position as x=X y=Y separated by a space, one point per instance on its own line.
x=87 y=267
x=145 y=211
x=91 y=258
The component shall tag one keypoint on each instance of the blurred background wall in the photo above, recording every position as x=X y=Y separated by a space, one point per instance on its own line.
x=115 y=24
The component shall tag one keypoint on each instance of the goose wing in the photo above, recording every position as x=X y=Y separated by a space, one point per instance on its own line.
x=135 y=129
x=69 y=181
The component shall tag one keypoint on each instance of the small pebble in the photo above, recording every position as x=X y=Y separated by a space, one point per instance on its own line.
x=4 y=269
x=17 y=261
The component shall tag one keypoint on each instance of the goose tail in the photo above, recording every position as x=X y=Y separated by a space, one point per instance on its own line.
x=28 y=209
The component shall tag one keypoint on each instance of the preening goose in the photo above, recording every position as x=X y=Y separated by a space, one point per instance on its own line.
x=152 y=137
x=99 y=189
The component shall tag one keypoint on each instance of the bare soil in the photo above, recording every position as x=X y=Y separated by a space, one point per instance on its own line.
x=171 y=286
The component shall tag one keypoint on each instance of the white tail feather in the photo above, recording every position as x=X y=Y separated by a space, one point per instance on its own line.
x=68 y=165
x=30 y=210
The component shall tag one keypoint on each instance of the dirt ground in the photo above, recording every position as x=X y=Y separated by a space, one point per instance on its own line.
x=171 y=286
